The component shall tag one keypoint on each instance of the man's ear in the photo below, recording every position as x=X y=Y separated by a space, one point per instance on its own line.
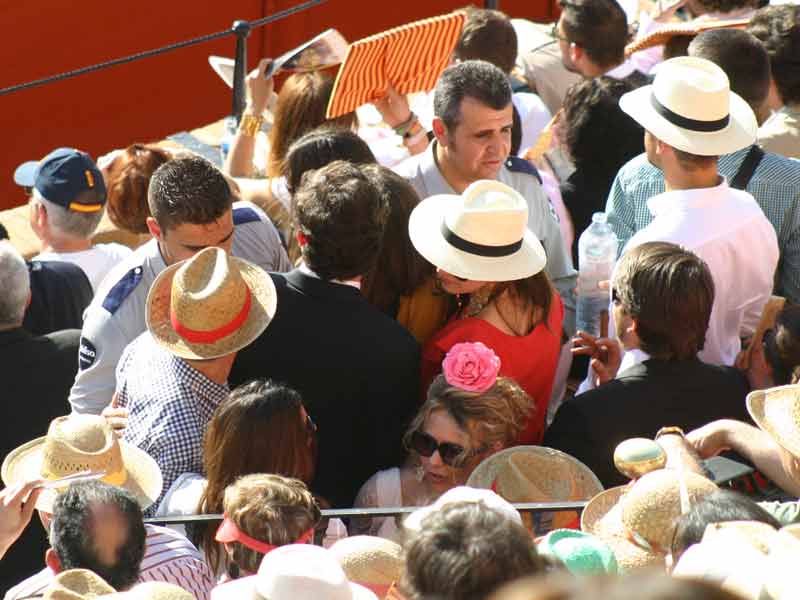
x=52 y=561
x=440 y=131
x=154 y=229
x=576 y=54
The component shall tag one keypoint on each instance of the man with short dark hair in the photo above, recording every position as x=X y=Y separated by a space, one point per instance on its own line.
x=192 y=208
x=466 y=550
x=356 y=368
x=99 y=527
x=489 y=35
x=773 y=180
x=472 y=125
x=778 y=28
x=592 y=35
x=662 y=302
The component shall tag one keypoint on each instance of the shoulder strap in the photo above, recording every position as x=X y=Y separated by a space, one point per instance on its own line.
x=747 y=168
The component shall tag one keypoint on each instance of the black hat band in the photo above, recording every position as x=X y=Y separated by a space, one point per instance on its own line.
x=478 y=249
x=685 y=122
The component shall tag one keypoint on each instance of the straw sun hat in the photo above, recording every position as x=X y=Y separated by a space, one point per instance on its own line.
x=537 y=474
x=78 y=443
x=370 y=561
x=690 y=106
x=480 y=235
x=210 y=305
x=777 y=411
x=638 y=521
x=77 y=584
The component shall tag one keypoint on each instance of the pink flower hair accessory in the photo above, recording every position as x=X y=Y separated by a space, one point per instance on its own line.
x=471 y=366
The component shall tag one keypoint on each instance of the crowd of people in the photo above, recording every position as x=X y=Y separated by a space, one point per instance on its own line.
x=314 y=324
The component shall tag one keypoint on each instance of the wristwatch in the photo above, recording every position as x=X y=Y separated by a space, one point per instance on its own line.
x=671 y=430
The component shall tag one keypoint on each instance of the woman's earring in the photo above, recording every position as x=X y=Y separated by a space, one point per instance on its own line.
x=419 y=473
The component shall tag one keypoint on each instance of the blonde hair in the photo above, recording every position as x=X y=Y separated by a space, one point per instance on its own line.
x=494 y=416
x=273 y=509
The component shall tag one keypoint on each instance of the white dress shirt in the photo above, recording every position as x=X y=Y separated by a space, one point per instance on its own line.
x=727 y=229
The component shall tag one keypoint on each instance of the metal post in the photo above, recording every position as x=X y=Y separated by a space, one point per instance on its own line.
x=242 y=30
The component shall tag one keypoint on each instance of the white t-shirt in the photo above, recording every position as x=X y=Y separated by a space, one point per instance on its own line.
x=96 y=262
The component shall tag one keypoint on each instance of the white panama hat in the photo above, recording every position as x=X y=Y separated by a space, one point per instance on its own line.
x=481 y=234
x=690 y=107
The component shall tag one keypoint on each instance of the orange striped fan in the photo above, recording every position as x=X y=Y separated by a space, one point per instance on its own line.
x=411 y=57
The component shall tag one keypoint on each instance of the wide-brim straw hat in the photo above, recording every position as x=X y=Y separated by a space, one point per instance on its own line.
x=784 y=556
x=210 y=305
x=665 y=33
x=77 y=584
x=76 y=443
x=153 y=590
x=480 y=235
x=777 y=412
x=370 y=561
x=638 y=520
x=690 y=107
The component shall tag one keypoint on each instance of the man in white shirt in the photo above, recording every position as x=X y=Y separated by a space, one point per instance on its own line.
x=690 y=117
x=68 y=196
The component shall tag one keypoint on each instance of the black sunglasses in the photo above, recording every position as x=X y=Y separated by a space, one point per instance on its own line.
x=451 y=454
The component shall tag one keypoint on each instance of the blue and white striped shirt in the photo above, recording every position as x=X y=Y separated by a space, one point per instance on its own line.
x=775 y=185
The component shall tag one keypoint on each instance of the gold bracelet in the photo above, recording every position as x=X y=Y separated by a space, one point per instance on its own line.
x=250 y=124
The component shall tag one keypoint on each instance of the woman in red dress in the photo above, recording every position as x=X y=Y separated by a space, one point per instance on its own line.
x=483 y=251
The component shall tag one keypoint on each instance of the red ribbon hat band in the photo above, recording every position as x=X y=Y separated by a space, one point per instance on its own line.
x=229 y=532
x=210 y=336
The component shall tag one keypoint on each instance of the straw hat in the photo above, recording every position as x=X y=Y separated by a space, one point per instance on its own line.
x=663 y=34
x=733 y=555
x=537 y=474
x=638 y=521
x=79 y=442
x=462 y=493
x=370 y=561
x=77 y=584
x=153 y=590
x=690 y=106
x=480 y=235
x=784 y=556
x=777 y=411
x=210 y=305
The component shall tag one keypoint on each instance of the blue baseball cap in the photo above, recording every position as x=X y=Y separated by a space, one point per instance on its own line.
x=61 y=176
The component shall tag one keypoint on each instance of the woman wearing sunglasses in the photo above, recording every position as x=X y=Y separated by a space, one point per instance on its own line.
x=469 y=414
x=486 y=256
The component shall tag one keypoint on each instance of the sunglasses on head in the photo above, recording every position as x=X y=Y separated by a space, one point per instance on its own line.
x=451 y=454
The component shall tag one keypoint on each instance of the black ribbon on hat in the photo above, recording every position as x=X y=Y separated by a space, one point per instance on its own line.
x=478 y=249
x=687 y=123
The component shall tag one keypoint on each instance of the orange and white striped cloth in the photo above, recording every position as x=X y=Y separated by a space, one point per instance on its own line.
x=411 y=57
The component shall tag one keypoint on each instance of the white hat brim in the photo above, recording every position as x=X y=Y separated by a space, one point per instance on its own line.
x=740 y=132
x=424 y=229
x=144 y=478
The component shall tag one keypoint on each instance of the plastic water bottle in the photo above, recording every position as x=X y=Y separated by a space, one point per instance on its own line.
x=597 y=253
x=229 y=132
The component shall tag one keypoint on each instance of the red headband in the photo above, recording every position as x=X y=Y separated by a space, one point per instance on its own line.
x=229 y=532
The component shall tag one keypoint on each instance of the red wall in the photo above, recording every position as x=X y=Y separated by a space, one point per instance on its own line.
x=154 y=97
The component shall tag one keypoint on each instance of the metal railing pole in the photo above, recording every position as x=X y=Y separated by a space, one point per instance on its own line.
x=241 y=29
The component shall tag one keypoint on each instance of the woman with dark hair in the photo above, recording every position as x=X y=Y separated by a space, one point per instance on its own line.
x=776 y=361
x=300 y=108
x=262 y=427
x=402 y=283
x=599 y=138
x=465 y=418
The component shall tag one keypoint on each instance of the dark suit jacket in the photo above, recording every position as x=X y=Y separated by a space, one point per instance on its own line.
x=37 y=374
x=60 y=292
x=356 y=368
x=638 y=403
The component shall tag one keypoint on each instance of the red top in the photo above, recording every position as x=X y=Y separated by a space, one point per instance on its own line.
x=529 y=360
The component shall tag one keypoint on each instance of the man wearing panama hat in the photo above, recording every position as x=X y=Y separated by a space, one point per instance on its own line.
x=200 y=312
x=690 y=118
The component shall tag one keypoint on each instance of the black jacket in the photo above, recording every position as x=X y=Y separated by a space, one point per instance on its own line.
x=356 y=368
